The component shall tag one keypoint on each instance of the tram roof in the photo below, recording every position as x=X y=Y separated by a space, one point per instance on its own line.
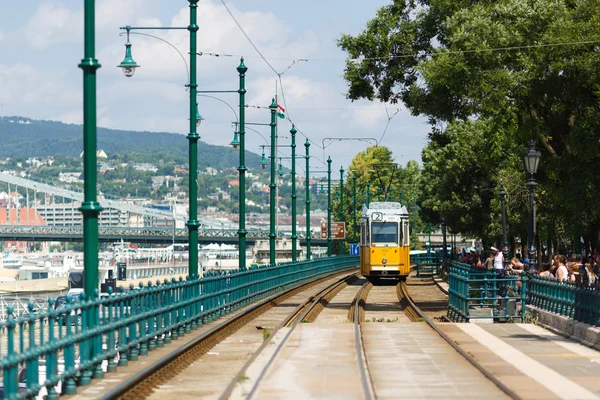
x=386 y=207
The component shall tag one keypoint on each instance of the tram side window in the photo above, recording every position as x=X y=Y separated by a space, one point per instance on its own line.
x=364 y=233
x=384 y=232
x=406 y=236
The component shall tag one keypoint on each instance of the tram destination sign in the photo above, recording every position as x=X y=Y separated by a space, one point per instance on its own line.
x=338 y=230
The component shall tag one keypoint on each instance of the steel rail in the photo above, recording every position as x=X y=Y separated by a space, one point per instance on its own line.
x=467 y=356
x=362 y=360
x=307 y=310
x=309 y=302
x=139 y=378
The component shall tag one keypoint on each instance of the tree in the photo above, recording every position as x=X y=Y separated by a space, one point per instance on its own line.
x=526 y=68
x=374 y=166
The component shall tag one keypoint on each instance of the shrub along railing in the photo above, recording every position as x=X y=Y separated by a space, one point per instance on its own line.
x=475 y=293
x=59 y=349
x=576 y=300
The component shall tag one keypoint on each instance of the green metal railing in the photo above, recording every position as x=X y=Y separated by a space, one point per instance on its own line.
x=426 y=265
x=574 y=300
x=61 y=348
x=475 y=293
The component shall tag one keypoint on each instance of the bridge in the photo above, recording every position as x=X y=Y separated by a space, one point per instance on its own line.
x=39 y=187
x=140 y=235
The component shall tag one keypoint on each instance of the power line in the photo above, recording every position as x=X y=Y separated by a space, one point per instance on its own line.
x=295 y=61
x=248 y=37
x=405 y=55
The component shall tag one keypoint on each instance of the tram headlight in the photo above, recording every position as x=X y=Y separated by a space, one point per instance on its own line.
x=384 y=261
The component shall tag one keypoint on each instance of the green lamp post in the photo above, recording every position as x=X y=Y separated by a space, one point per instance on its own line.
x=90 y=208
x=242 y=69
x=294 y=235
x=273 y=185
x=368 y=193
x=400 y=196
x=342 y=217
x=354 y=206
x=129 y=66
x=329 y=207
x=307 y=184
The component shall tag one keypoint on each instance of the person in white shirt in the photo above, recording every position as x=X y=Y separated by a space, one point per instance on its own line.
x=498 y=260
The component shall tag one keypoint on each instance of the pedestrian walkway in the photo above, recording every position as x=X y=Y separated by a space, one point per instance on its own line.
x=530 y=360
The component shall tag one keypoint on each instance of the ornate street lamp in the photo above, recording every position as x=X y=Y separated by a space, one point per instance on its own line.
x=235 y=143
x=128 y=65
x=531 y=160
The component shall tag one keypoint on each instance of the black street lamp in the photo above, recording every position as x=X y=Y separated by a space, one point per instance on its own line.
x=531 y=160
x=505 y=249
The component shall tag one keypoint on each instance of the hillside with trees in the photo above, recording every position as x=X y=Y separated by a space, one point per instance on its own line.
x=24 y=137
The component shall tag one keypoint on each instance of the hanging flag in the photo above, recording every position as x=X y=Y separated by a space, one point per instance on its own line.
x=280 y=112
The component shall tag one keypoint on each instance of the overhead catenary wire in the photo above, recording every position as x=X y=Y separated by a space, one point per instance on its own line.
x=294 y=61
x=435 y=52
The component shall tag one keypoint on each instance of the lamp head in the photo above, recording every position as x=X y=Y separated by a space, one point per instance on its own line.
x=531 y=158
x=128 y=64
x=263 y=161
x=280 y=172
x=199 y=118
x=235 y=143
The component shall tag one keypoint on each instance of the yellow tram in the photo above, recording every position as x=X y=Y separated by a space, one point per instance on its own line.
x=384 y=241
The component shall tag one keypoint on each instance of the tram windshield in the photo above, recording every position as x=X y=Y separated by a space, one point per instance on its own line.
x=384 y=232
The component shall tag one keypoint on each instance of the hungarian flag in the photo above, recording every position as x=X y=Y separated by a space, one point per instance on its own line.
x=280 y=112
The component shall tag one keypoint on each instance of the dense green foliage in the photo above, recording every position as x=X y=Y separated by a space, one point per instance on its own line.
x=378 y=176
x=490 y=76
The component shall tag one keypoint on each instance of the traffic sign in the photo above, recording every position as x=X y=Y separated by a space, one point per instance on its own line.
x=354 y=249
x=338 y=230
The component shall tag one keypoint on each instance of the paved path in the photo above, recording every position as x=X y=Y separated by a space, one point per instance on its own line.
x=532 y=361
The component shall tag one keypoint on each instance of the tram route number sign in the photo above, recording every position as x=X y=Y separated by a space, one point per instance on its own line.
x=338 y=230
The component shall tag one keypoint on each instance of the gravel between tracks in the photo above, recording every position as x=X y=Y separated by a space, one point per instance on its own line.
x=427 y=296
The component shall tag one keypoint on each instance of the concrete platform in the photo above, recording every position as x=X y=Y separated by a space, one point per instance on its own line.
x=406 y=360
x=411 y=361
x=532 y=361
x=319 y=361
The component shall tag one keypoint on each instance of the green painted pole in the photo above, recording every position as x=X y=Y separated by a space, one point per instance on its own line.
x=242 y=69
x=415 y=228
x=368 y=193
x=401 y=197
x=354 y=207
x=294 y=235
x=193 y=224
x=273 y=185
x=342 y=217
x=329 y=207
x=307 y=184
x=90 y=208
x=429 y=240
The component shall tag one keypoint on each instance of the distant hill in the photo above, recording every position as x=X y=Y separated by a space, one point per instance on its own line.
x=24 y=137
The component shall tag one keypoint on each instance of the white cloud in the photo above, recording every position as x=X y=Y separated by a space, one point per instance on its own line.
x=155 y=98
x=53 y=24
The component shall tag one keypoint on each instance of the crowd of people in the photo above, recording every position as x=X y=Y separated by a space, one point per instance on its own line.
x=575 y=268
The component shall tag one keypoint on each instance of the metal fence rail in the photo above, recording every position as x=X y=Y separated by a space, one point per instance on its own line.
x=575 y=300
x=59 y=349
x=475 y=293
x=426 y=265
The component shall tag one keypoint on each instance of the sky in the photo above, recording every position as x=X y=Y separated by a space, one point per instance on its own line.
x=41 y=43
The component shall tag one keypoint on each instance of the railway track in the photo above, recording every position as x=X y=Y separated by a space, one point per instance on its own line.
x=304 y=313
x=419 y=315
x=143 y=384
